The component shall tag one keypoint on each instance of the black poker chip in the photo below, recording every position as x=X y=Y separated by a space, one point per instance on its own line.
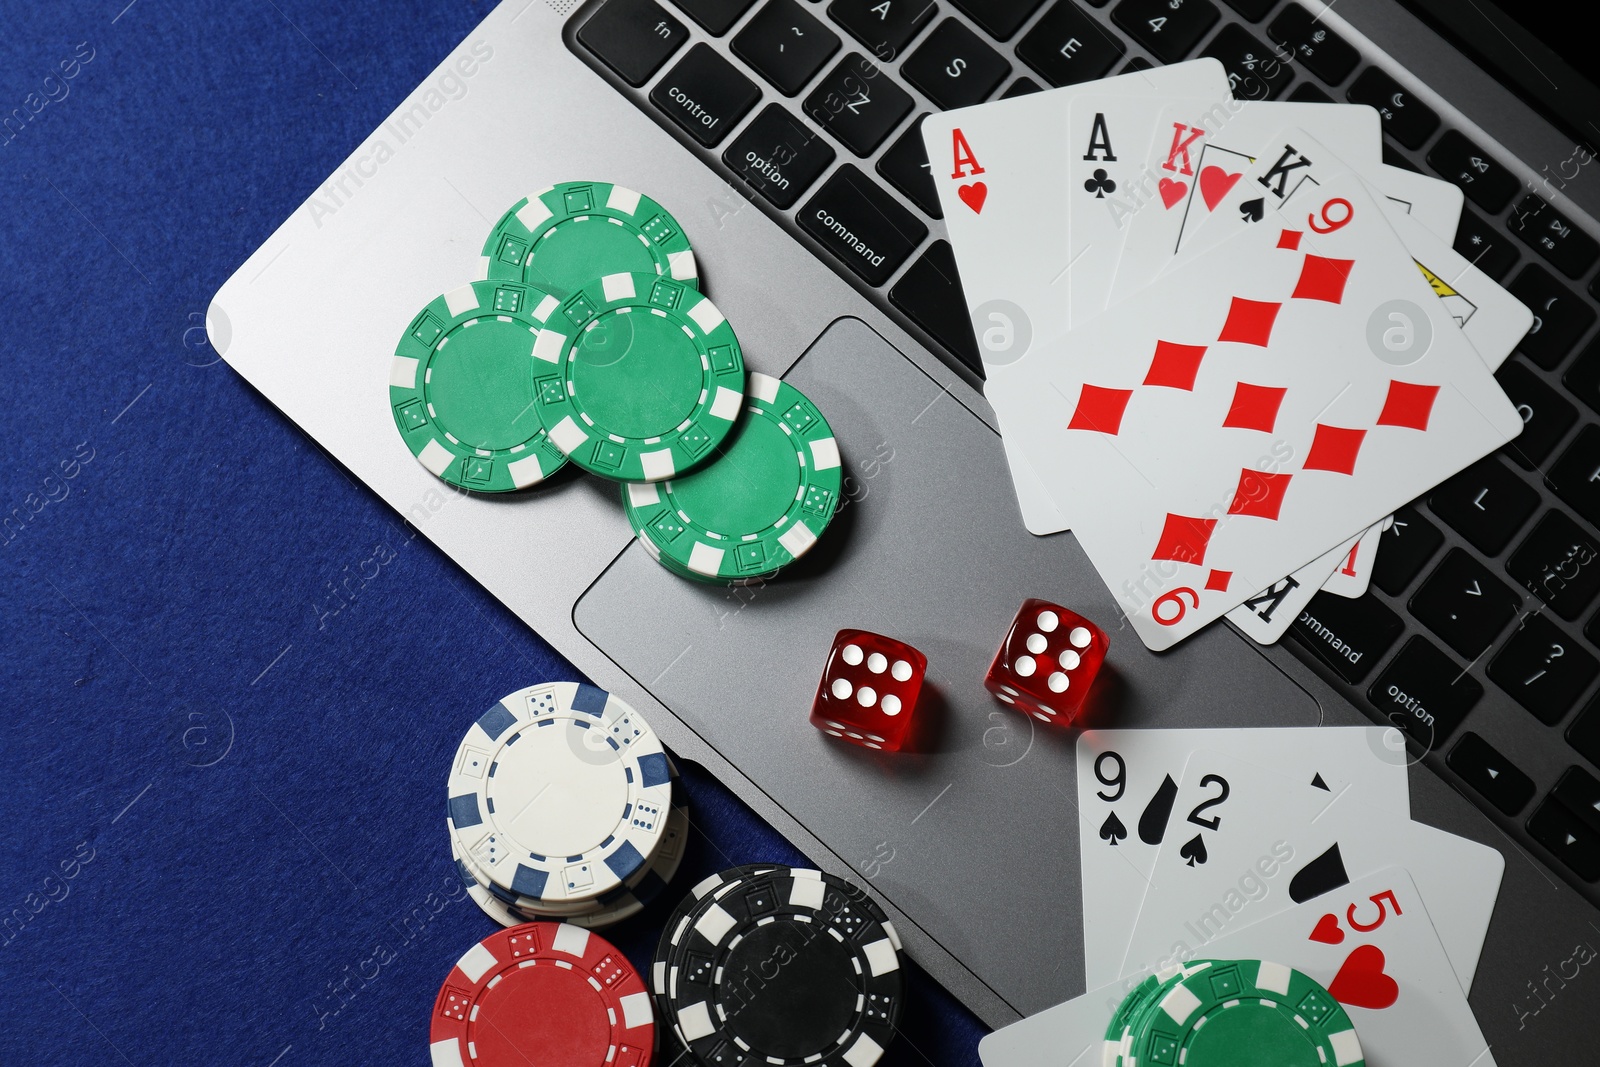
x=780 y=966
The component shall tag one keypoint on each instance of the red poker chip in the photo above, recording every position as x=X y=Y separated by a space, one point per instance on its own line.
x=550 y=994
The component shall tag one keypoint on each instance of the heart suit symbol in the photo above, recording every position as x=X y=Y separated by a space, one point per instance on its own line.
x=1361 y=982
x=1215 y=183
x=1171 y=192
x=1327 y=931
x=974 y=195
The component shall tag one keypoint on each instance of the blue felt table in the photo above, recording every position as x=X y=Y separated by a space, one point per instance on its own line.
x=233 y=678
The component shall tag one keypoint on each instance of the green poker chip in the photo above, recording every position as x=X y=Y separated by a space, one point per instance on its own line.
x=761 y=504
x=1245 y=1013
x=1125 y=1022
x=563 y=237
x=639 y=378
x=461 y=387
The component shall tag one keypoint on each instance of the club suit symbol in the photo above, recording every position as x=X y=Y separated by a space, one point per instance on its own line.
x=1100 y=184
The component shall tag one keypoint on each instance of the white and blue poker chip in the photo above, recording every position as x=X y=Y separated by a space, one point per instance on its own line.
x=559 y=794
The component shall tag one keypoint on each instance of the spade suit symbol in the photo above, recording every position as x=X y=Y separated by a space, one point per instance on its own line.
x=1253 y=210
x=1153 y=820
x=1193 y=851
x=1322 y=875
x=1112 y=830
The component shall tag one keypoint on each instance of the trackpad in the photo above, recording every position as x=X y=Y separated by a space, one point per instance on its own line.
x=974 y=833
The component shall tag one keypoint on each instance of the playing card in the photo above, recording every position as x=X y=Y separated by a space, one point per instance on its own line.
x=1199 y=154
x=1491 y=318
x=1435 y=203
x=1354 y=572
x=1376 y=945
x=1108 y=183
x=998 y=168
x=1127 y=787
x=1239 y=816
x=1265 y=616
x=1255 y=407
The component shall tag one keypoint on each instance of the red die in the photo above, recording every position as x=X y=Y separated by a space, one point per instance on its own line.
x=1047 y=661
x=869 y=690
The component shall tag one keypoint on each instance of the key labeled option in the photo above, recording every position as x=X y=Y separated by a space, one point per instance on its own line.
x=1425 y=693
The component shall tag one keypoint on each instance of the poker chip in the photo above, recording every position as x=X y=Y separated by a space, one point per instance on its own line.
x=547 y=993
x=763 y=503
x=461 y=387
x=675 y=925
x=558 y=794
x=1131 y=1012
x=565 y=236
x=1228 y=1012
x=835 y=1000
x=609 y=908
x=639 y=378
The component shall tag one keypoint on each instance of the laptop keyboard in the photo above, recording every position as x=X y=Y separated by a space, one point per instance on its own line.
x=1479 y=637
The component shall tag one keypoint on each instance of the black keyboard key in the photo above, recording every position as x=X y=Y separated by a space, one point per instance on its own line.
x=705 y=95
x=1404 y=549
x=1067 y=46
x=779 y=156
x=1560 y=316
x=1491 y=774
x=1485 y=246
x=1559 y=564
x=1254 y=10
x=1255 y=72
x=1464 y=604
x=1568 y=837
x=1481 y=177
x=1315 y=46
x=1424 y=693
x=930 y=293
x=1584 y=733
x=862 y=225
x=905 y=166
x=998 y=18
x=1022 y=87
x=885 y=28
x=1579 y=793
x=1486 y=503
x=1543 y=669
x=1583 y=377
x=1309 y=93
x=1546 y=414
x=1349 y=635
x=785 y=44
x=1405 y=118
x=1575 y=476
x=1170 y=29
x=858 y=104
x=954 y=68
x=714 y=15
x=1553 y=235
x=633 y=38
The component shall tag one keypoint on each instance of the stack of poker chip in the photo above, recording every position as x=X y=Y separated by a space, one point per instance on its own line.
x=1214 y=1013
x=781 y=965
x=587 y=341
x=563 y=805
x=542 y=993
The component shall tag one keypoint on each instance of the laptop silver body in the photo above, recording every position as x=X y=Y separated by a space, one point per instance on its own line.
x=970 y=840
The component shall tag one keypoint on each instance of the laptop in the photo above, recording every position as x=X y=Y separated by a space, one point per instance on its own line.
x=970 y=841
